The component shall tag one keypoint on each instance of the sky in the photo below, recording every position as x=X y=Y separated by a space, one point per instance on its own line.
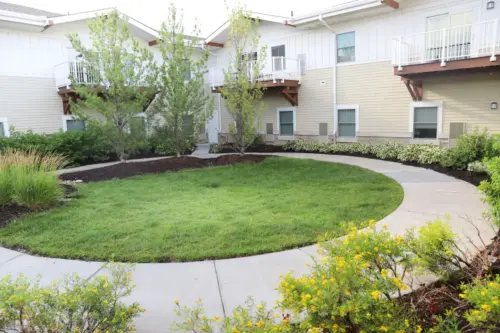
x=209 y=13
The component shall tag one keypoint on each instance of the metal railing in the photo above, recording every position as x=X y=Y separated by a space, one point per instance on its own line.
x=462 y=42
x=280 y=69
x=81 y=72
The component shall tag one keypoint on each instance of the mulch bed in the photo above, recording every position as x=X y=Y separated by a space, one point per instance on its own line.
x=9 y=213
x=470 y=177
x=131 y=169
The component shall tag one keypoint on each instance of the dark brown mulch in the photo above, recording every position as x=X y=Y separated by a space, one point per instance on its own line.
x=131 y=169
x=9 y=213
x=470 y=177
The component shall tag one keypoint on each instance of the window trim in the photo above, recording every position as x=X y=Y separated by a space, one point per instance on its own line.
x=427 y=104
x=337 y=47
x=284 y=109
x=336 y=122
x=65 y=118
x=284 y=60
x=5 y=123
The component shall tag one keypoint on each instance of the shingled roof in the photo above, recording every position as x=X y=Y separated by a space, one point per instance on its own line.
x=26 y=10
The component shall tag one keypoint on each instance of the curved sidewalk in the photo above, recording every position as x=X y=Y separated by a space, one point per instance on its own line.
x=225 y=284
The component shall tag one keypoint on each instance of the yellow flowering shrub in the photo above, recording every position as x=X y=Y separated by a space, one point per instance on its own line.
x=71 y=305
x=245 y=319
x=353 y=287
x=485 y=299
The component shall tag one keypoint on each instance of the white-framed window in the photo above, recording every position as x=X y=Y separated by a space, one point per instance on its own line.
x=346 y=47
x=286 y=120
x=137 y=123
x=4 y=127
x=70 y=124
x=426 y=120
x=346 y=122
x=278 y=54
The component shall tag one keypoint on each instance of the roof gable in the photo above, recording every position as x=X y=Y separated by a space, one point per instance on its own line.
x=15 y=8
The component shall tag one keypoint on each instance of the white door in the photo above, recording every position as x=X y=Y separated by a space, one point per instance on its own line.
x=213 y=128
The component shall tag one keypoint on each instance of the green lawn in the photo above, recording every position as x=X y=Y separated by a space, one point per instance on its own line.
x=218 y=212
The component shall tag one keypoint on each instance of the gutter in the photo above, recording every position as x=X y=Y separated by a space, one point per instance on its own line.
x=334 y=90
x=9 y=16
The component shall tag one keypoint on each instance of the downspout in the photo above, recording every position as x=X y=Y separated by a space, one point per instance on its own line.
x=320 y=18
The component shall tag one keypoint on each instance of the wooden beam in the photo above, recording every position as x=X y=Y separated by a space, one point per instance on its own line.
x=214 y=44
x=410 y=89
x=153 y=42
x=415 y=88
x=453 y=65
x=391 y=3
x=291 y=95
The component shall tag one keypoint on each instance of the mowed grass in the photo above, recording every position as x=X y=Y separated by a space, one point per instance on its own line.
x=218 y=212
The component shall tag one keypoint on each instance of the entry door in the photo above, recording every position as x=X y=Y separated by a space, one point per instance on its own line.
x=213 y=128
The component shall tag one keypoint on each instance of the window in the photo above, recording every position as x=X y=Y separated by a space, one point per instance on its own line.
x=278 y=51
x=347 y=123
x=425 y=122
x=286 y=121
x=252 y=56
x=71 y=124
x=4 y=128
x=138 y=125
x=457 y=41
x=346 y=50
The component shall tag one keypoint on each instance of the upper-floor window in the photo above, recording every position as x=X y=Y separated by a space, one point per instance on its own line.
x=346 y=49
x=278 y=55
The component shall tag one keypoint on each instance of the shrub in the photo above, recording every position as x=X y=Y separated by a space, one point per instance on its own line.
x=469 y=148
x=214 y=148
x=485 y=299
x=491 y=189
x=72 y=305
x=477 y=166
x=35 y=189
x=388 y=151
x=26 y=178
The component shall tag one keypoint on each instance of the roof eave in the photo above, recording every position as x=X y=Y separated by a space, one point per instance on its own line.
x=21 y=18
x=336 y=11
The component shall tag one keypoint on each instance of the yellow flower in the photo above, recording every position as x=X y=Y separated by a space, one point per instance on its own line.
x=375 y=249
x=249 y=324
x=486 y=307
x=235 y=330
x=384 y=273
x=347 y=292
x=383 y=329
x=77 y=329
x=259 y=324
x=176 y=301
x=419 y=328
x=385 y=226
x=388 y=251
x=407 y=323
x=259 y=307
x=216 y=318
x=375 y=294
x=198 y=300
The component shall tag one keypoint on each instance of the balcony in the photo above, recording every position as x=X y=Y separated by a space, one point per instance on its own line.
x=468 y=47
x=81 y=72
x=281 y=73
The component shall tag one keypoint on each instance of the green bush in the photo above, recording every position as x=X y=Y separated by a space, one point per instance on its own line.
x=27 y=178
x=485 y=299
x=5 y=188
x=491 y=189
x=79 y=147
x=74 y=304
x=469 y=148
x=35 y=189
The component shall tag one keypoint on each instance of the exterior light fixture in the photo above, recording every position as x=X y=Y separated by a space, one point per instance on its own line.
x=493 y=105
x=490 y=5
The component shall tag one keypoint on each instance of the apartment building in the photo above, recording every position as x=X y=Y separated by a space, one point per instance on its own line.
x=36 y=60
x=409 y=71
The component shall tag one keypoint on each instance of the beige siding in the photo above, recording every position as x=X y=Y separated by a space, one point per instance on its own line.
x=466 y=99
x=31 y=103
x=315 y=105
x=383 y=99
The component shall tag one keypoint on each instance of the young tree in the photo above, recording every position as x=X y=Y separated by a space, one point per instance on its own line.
x=121 y=73
x=181 y=103
x=242 y=91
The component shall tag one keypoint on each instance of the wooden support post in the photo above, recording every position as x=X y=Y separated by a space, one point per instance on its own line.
x=391 y=3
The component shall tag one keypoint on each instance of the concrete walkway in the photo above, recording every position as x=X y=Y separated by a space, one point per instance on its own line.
x=225 y=284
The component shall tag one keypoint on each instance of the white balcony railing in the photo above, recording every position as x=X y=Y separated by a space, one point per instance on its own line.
x=280 y=69
x=80 y=71
x=469 y=41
